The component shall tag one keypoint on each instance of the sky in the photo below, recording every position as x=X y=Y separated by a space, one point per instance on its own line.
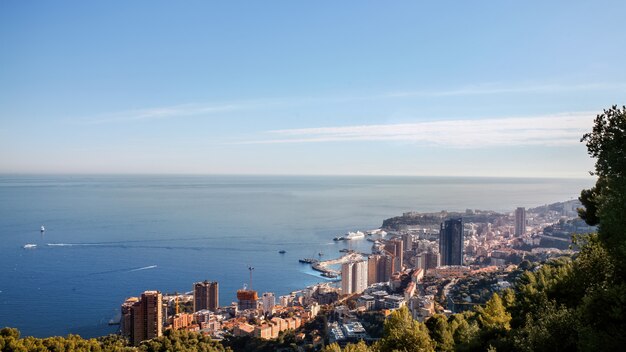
x=440 y=88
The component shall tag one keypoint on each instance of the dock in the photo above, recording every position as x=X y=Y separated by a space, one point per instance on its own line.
x=322 y=266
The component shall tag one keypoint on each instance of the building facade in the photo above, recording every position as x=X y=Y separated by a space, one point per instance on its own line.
x=451 y=242
x=269 y=301
x=247 y=299
x=379 y=268
x=354 y=277
x=520 y=221
x=142 y=318
x=205 y=295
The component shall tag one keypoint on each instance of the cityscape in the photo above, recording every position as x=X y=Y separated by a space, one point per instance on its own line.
x=414 y=263
x=303 y=176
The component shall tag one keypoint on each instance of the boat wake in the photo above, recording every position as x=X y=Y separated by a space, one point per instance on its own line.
x=144 y=268
x=71 y=244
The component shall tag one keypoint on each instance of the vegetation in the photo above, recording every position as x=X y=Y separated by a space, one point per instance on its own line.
x=565 y=304
x=182 y=341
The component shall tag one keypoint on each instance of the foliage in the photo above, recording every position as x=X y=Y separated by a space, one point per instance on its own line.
x=440 y=333
x=183 y=341
x=403 y=333
x=357 y=347
x=10 y=341
x=606 y=202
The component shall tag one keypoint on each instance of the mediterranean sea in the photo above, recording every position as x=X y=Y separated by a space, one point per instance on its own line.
x=111 y=237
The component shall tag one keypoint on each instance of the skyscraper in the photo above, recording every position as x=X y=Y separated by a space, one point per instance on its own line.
x=379 y=268
x=205 y=296
x=142 y=318
x=354 y=277
x=396 y=248
x=451 y=242
x=520 y=221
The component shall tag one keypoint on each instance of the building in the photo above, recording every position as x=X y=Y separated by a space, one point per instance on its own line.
x=394 y=302
x=396 y=248
x=407 y=240
x=379 y=268
x=354 y=277
x=126 y=322
x=180 y=321
x=142 y=318
x=269 y=301
x=205 y=296
x=247 y=299
x=451 y=242
x=207 y=320
x=520 y=221
x=432 y=260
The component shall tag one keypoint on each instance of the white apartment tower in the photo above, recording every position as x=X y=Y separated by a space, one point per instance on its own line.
x=354 y=277
x=269 y=301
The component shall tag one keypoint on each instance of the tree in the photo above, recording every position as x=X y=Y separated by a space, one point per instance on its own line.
x=440 y=333
x=605 y=204
x=494 y=316
x=403 y=333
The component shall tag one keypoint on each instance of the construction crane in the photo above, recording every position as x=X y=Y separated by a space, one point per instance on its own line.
x=250 y=268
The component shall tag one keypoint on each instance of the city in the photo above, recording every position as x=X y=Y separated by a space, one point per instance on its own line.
x=305 y=176
x=416 y=263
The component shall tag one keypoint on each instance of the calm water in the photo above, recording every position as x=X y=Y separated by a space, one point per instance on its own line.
x=116 y=236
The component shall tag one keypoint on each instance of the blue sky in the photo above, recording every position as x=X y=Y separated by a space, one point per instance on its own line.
x=481 y=88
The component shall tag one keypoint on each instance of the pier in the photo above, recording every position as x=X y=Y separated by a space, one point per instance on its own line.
x=323 y=266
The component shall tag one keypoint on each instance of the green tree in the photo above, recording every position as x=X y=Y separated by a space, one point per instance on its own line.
x=605 y=204
x=440 y=333
x=403 y=333
x=333 y=347
x=494 y=316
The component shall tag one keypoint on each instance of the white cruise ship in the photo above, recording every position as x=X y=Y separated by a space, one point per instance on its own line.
x=354 y=235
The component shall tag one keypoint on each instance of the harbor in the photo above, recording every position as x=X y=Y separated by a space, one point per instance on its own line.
x=323 y=266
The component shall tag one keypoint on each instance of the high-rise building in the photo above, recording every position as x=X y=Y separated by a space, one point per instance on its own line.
x=379 y=268
x=432 y=260
x=269 y=301
x=520 y=221
x=142 y=318
x=451 y=242
x=407 y=240
x=205 y=296
x=354 y=277
x=396 y=248
x=247 y=299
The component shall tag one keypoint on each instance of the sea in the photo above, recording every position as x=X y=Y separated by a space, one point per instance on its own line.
x=111 y=237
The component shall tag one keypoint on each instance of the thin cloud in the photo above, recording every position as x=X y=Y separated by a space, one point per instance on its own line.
x=188 y=110
x=550 y=130
x=497 y=89
x=165 y=112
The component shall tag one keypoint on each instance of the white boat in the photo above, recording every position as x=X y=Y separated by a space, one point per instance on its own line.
x=30 y=246
x=354 y=235
x=43 y=229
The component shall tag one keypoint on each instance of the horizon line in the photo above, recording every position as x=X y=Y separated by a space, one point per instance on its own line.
x=283 y=175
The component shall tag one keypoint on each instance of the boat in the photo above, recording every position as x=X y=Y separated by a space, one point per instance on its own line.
x=321 y=254
x=30 y=246
x=329 y=275
x=43 y=229
x=354 y=235
x=282 y=251
x=308 y=260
